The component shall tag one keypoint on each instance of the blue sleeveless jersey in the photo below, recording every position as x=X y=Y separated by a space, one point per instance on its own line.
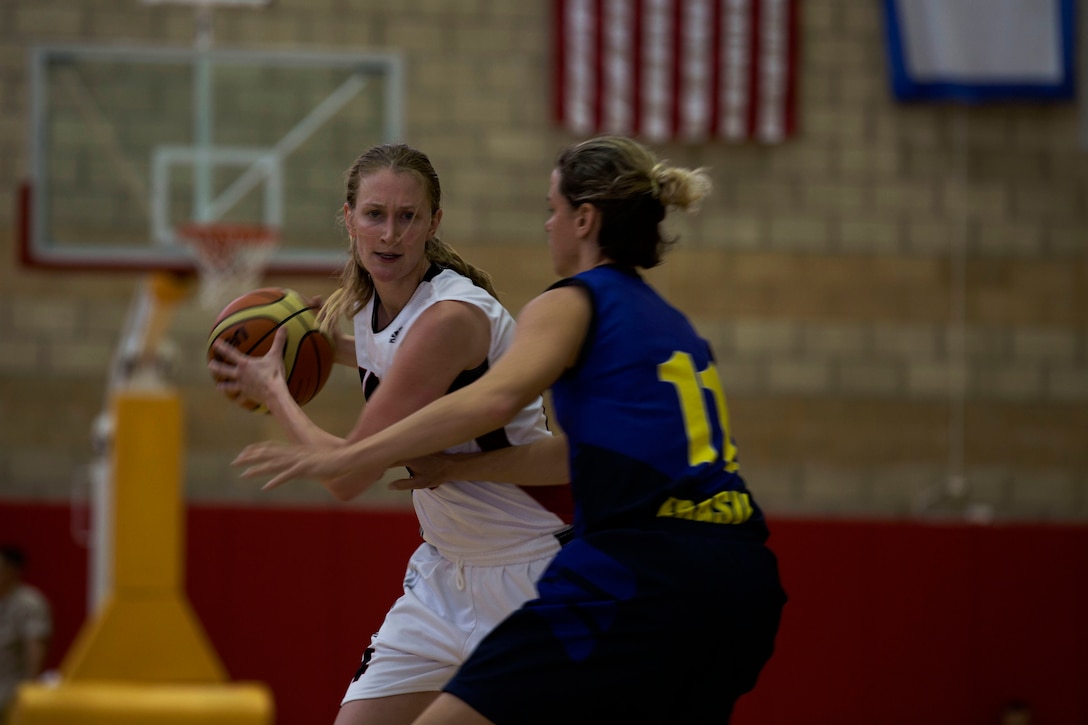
x=667 y=586
x=646 y=418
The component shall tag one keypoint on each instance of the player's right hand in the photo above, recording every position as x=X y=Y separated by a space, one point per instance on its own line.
x=246 y=377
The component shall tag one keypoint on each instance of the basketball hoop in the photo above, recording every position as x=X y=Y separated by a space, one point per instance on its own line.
x=231 y=258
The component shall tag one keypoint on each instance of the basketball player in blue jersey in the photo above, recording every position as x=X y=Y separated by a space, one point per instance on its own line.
x=425 y=323
x=665 y=605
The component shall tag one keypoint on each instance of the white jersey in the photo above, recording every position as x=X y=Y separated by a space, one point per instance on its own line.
x=476 y=522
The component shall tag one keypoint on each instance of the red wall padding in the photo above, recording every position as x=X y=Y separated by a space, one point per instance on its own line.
x=888 y=622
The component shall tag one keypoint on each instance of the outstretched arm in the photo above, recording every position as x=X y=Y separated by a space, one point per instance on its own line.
x=448 y=337
x=550 y=334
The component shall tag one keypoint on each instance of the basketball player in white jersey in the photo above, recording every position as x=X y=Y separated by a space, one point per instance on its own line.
x=425 y=323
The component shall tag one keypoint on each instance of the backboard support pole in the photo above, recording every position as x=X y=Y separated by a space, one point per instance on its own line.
x=203 y=110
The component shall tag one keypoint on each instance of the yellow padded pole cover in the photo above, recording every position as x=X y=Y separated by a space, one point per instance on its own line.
x=146 y=630
x=143 y=640
x=148 y=470
x=119 y=703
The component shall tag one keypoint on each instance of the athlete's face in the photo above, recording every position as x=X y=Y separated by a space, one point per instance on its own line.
x=562 y=229
x=391 y=223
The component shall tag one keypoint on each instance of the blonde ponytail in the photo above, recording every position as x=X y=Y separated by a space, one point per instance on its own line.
x=680 y=188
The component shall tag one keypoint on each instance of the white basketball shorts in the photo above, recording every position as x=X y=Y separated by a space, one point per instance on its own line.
x=443 y=614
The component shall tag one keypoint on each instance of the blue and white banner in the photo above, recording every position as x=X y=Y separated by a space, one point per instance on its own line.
x=975 y=51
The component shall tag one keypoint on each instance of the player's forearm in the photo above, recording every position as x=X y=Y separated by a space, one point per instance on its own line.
x=350 y=485
x=541 y=463
x=300 y=429
x=452 y=419
x=295 y=423
x=345 y=351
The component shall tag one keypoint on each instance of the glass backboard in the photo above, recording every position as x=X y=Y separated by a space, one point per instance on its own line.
x=127 y=143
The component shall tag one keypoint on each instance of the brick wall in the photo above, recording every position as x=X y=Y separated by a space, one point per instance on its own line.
x=899 y=296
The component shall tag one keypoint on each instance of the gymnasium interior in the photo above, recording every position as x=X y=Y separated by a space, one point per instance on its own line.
x=892 y=270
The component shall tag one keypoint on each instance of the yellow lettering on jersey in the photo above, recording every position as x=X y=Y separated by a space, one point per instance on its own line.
x=679 y=370
x=710 y=380
x=724 y=507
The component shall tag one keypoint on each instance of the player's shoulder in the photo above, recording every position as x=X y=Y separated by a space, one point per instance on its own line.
x=452 y=287
x=444 y=282
x=451 y=318
x=451 y=310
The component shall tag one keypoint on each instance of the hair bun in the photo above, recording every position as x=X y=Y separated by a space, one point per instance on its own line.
x=680 y=188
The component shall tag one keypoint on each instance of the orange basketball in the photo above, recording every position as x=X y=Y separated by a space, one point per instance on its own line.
x=250 y=322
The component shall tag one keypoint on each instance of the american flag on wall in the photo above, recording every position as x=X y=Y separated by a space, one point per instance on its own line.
x=677 y=70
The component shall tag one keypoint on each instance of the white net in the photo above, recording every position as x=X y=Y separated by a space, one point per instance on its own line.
x=231 y=258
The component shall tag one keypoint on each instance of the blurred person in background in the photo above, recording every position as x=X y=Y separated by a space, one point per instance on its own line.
x=26 y=625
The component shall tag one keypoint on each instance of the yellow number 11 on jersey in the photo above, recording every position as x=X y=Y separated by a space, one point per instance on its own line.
x=690 y=384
